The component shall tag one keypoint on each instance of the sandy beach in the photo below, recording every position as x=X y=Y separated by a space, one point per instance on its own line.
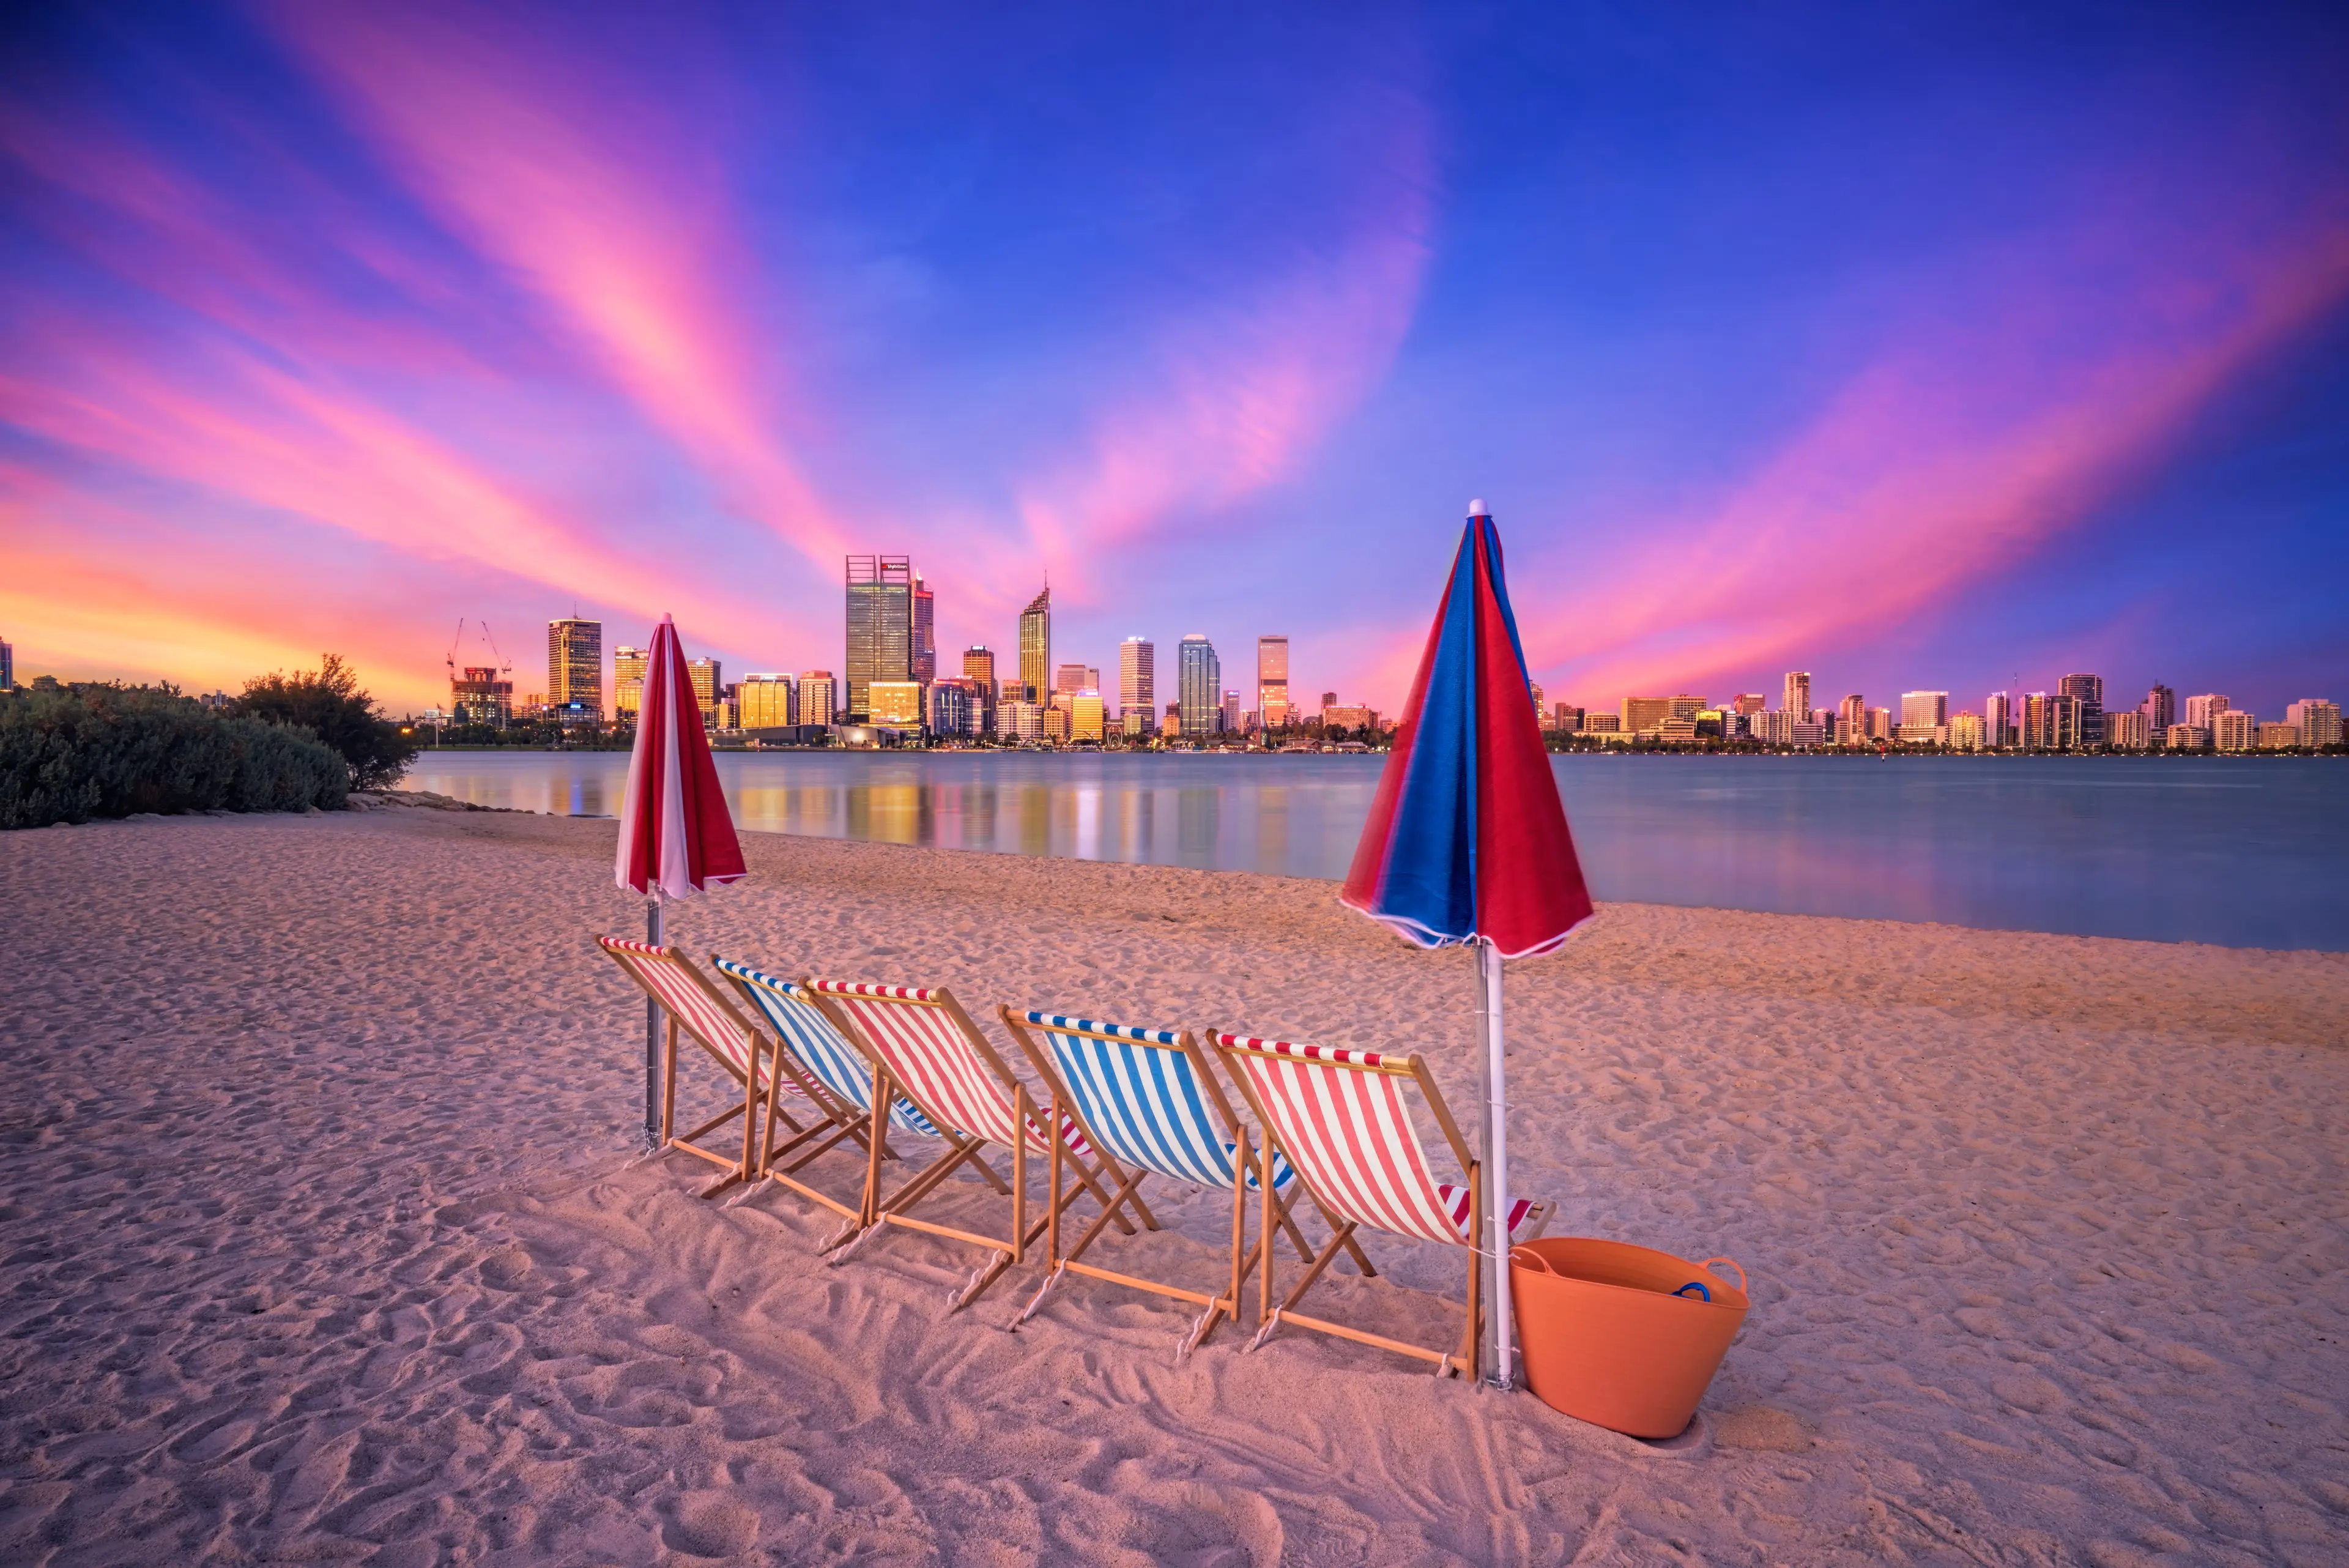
x=324 y=1243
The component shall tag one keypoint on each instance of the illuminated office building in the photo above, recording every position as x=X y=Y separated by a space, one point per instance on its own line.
x=880 y=627
x=1137 y=684
x=1036 y=646
x=574 y=667
x=1272 y=681
x=763 y=702
x=819 y=699
x=978 y=668
x=1199 y=679
x=627 y=683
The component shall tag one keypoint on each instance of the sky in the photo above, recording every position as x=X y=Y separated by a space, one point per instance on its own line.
x=1917 y=348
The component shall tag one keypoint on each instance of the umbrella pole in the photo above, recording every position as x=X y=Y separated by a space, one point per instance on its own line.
x=652 y=1029
x=1503 y=1374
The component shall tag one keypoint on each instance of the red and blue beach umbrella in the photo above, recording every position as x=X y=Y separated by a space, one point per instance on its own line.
x=1468 y=842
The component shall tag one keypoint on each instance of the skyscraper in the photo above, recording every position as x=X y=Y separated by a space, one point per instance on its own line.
x=1798 y=698
x=954 y=707
x=627 y=683
x=2159 y=708
x=763 y=702
x=880 y=626
x=1200 y=683
x=819 y=698
x=925 y=655
x=2089 y=690
x=1227 y=718
x=1926 y=707
x=2203 y=711
x=480 y=696
x=1075 y=678
x=1851 y=720
x=1085 y=714
x=1137 y=681
x=1745 y=704
x=1272 y=681
x=2318 y=721
x=978 y=668
x=1036 y=646
x=1646 y=715
x=703 y=673
x=1998 y=719
x=574 y=665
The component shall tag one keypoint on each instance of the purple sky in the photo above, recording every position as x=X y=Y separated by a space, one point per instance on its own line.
x=1914 y=347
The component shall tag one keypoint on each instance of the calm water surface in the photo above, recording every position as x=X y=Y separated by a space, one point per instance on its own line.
x=2242 y=852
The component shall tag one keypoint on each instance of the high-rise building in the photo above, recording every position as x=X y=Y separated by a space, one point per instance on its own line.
x=2188 y=737
x=7 y=666
x=1851 y=720
x=1227 y=718
x=1017 y=719
x=1036 y=646
x=2318 y=720
x=2272 y=736
x=1272 y=681
x=1797 y=696
x=1646 y=715
x=1075 y=678
x=1533 y=690
x=819 y=699
x=978 y=668
x=1879 y=724
x=2088 y=690
x=1998 y=720
x=894 y=704
x=2159 y=708
x=1966 y=733
x=1137 y=682
x=1685 y=705
x=480 y=696
x=2127 y=729
x=880 y=626
x=1745 y=704
x=574 y=665
x=925 y=657
x=1085 y=717
x=2234 y=730
x=704 y=674
x=1930 y=709
x=2204 y=710
x=763 y=702
x=954 y=707
x=627 y=683
x=1198 y=685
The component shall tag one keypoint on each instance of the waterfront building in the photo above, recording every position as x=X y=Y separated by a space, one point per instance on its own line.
x=2088 y=690
x=2318 y=720
x=1199 y=684
x=764 y=701
x=2188 y=737
x=1851 y=720
x=1998 y=720
x=1923 y=734
x=2234 y=730
x=925 y=655
x=1056 y=726
x=894 y=704
x=1676 y=731
x=880 y=627
x=819 y=699
x=1685 y=705
x=978 y=669
x=1017 y=719
x=1748 y=704
x=1773 y=727
x=1966 y=732
x=2159 y=708
x=479 y=696
x=706 y=677
x=1329 y=699
x=627 y=683
x=1036 y=646
x=1349 y=717
x=1926 y=707
x=2276 y=737
x=1808 y=733
x=1085 y=716
x=1272 y=679
x=1601 y=723
x=2204 y=710
x=954 y=707
x=1879 y=724
x=1136 y=723
x=1796 y=697
x=1228 y=721
x=1535 y=689
x=1137 y=682
x=575 y=664
x=1566 y=717
x=2128 y=731
x=1645 y=715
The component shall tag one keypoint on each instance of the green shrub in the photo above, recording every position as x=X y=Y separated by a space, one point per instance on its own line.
x=73 y=752
x=331 y=705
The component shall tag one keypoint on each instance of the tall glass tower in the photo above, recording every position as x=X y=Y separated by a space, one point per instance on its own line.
x=1137 y=680
x=880 y=627
x=1199 y=685
x=1036 y=647
x=574 y=665
x=1272 y=681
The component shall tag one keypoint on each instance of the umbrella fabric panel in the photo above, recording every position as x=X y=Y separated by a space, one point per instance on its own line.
x=676 y=832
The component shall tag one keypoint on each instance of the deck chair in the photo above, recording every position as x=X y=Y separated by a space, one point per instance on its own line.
x=923 y=1045
x=1149 y=1097
x=841 y=1084
x=699 y=1010
x=1340 y=1119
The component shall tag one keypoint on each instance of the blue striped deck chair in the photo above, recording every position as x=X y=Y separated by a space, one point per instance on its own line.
x=1149 y=1097
x=836 y=1080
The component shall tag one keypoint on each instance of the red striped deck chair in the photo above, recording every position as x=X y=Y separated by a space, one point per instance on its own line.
x=1340 y=1119
x=697 y=1009
x=923 y=1046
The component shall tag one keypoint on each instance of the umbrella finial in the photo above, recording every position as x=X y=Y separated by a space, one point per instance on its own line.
x=1478 y=509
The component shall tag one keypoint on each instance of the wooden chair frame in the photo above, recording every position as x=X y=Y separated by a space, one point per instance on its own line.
x=961 y=1148
x=1217 y=1306
x=1462 y=1361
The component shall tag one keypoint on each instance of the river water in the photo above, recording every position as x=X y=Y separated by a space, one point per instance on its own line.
x=2240 y=852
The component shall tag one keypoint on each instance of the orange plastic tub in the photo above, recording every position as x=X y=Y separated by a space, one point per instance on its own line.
x=1624 y=1337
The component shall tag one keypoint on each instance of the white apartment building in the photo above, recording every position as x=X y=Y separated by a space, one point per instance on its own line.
x=2233 y=729
x=1929 y=709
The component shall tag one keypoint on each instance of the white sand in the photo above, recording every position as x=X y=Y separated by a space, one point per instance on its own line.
x=319 y=1244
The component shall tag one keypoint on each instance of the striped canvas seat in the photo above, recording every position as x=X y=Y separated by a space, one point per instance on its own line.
x=808 y=1035
x=1145 y=1105
x=699 y=1012
x=696 y=1011
x=926 y=1050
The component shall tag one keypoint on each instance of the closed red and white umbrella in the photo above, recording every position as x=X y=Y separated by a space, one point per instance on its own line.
x=677 y=837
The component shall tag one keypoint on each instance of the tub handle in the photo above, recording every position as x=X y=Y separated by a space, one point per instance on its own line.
x=1526 y=1258
x=1734 y=1264
x=1696 y=1285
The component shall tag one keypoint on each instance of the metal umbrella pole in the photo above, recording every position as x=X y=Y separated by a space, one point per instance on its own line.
x=652 y=1030
x=1494 y=1151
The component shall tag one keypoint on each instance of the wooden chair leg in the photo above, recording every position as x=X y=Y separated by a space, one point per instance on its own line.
x=668 y=1085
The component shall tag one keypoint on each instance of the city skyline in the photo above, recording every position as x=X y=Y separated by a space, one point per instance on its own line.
x=328 y=325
